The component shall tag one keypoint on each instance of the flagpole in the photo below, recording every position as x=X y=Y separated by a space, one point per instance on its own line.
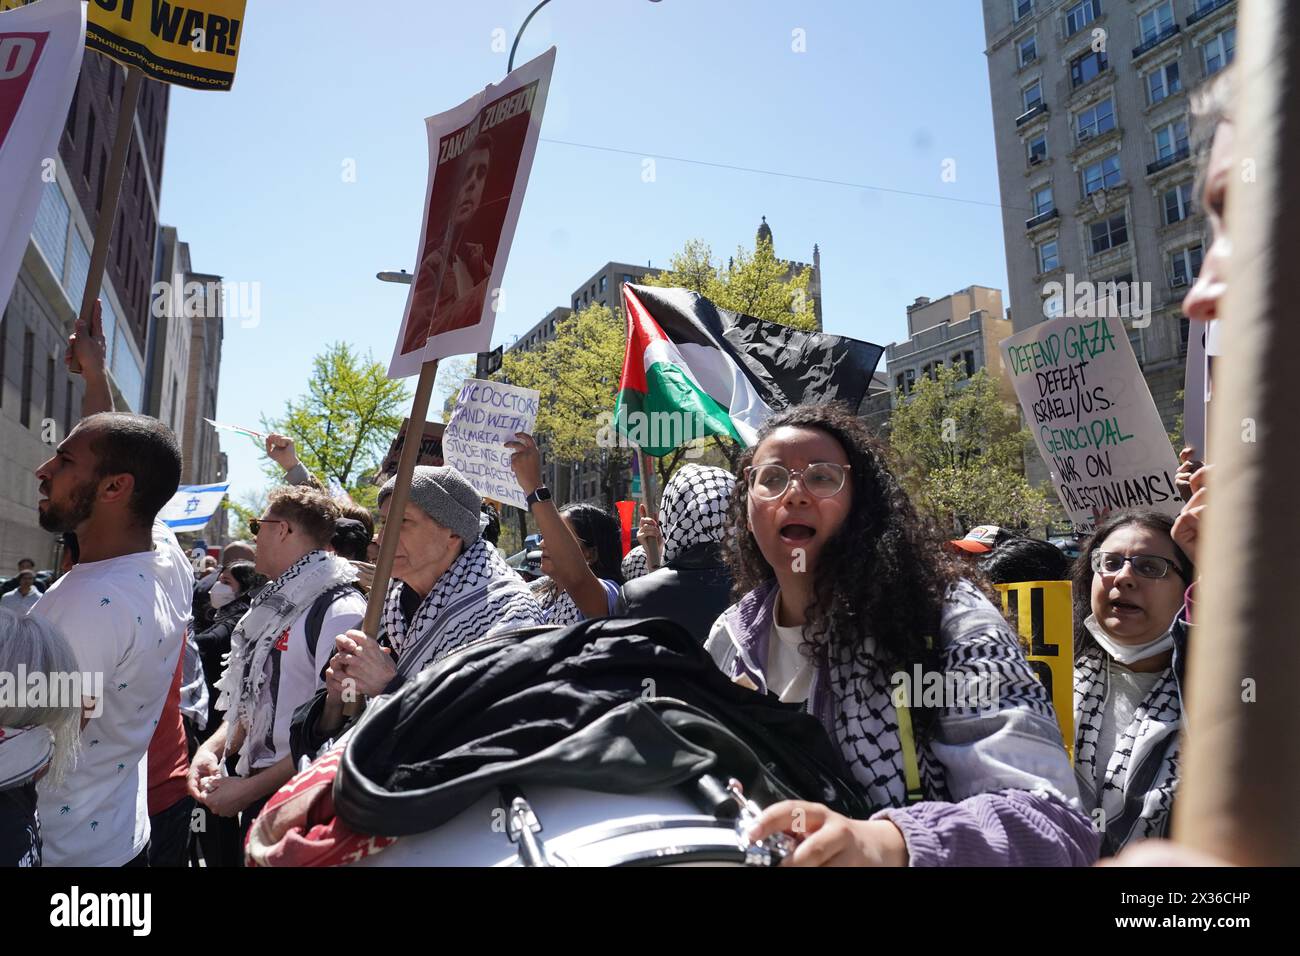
x=653 y=549
x=113 y=187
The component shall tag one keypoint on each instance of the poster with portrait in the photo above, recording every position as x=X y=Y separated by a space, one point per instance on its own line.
x=480 y=154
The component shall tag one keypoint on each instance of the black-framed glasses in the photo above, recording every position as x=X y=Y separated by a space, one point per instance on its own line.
x=823 y=479
x=1145 y=565
x=255 y=525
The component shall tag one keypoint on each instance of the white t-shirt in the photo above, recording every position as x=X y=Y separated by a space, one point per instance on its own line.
x=293 y=672
x=789 y=673
x=19 y=603
x=1126 y=690
x=125 y=618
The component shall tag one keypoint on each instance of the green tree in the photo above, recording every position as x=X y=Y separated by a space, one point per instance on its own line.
x=753 y=283
x=958 y=448
x=345 y=422
x=250 y=505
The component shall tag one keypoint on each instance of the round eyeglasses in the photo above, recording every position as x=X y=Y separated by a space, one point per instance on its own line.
x=823 y=479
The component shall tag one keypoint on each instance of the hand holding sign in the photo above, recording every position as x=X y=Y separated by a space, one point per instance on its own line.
x=486 y=424
x=87 y=349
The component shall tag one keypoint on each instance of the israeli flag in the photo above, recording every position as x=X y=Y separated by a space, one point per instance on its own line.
x=193 y=506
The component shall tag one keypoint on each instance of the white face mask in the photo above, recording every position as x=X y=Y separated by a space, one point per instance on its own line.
x=1127 y=653
x=221 y=594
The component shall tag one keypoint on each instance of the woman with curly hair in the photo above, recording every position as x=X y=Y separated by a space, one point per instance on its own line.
x=850 y=607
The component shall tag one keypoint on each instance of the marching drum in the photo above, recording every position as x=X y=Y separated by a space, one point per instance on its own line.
x=565 y=826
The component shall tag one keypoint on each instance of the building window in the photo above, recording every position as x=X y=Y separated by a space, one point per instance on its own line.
x=1023 y=8
x=1027 y=49
x=909 y=381
x=1171 y=139
x=1037 y=149
x=1184 y=330
x=1080 y=15
x=1109 y=233
x=1178 y=203
x=1163 y=82
x=604 y=283
x=25 y=405
x=1043 y=200
x=1032 y=95
x=1095 y=120
x=71 y=127
x=1049 y=256
x=1102 y=175
x=969 y=356
x=90 y=147
x=1219 y=51
x=1186 y=266
x=1156 y=21
x=1135 y=340
x=1086 y=68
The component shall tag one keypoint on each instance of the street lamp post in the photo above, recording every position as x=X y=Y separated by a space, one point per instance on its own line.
x=515 y=46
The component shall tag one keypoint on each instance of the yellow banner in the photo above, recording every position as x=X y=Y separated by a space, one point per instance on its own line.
x=194 y=43
x=1045 y=618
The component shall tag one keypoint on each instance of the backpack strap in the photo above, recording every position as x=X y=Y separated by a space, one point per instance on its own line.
x=316 y=613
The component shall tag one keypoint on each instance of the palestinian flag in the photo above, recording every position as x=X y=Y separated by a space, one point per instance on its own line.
x=692 y=370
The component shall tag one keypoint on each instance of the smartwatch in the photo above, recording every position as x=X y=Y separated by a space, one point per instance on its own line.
x=542 y=493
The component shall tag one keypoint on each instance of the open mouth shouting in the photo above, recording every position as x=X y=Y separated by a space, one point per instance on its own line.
x=796 y=534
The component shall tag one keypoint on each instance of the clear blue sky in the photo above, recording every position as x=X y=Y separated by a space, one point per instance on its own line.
x=884 y=93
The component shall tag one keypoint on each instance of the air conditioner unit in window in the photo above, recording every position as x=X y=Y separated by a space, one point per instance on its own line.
x=1029 y=58
x=1085 y=134
x=1178 y=282
x=1035 y=159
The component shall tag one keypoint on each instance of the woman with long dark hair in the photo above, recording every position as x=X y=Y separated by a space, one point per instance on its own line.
x=851 y=607
x=1130 y=649
x=581 y=545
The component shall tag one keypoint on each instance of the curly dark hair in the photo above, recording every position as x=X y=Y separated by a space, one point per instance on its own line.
x=1081 y=574
x=891 y=572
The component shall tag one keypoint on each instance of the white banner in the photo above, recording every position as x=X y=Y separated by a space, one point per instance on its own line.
x=193 y=506
x=480 y=154
x=1092 y=417
x=487 y=416
x=40 y=56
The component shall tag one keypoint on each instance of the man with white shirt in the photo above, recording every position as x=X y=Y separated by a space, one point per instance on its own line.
x=123 y=608
x=278 y=651
x=21 y=599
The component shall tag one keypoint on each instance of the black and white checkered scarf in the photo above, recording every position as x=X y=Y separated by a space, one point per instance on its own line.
x=634 y=564
x=693 y=509
x=1137 y=790
x=270 y=614
x=478 y=595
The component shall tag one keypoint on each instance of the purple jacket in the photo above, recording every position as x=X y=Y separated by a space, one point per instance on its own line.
x=1002 y=792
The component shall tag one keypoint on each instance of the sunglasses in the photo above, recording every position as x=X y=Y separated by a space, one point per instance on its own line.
x=823 y=479
x=1145 y=565
x=256 y=524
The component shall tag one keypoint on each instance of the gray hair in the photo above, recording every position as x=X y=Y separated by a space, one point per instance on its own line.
x=35 y=645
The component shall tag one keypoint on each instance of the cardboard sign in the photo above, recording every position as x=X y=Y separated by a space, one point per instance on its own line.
x=430 y=450
x=193 y=43
x=40 y=56
x=487 y=416
x=1092 y=417
x=480 y=154
x=1045 y=617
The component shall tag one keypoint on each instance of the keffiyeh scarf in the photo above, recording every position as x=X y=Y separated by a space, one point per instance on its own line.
x=271 y=613
x=1137 y=790
x=693 y=509
x=477 y=596
x=634 y=563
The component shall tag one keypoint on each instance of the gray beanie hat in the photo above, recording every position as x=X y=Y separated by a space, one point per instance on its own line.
x=444 y=495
